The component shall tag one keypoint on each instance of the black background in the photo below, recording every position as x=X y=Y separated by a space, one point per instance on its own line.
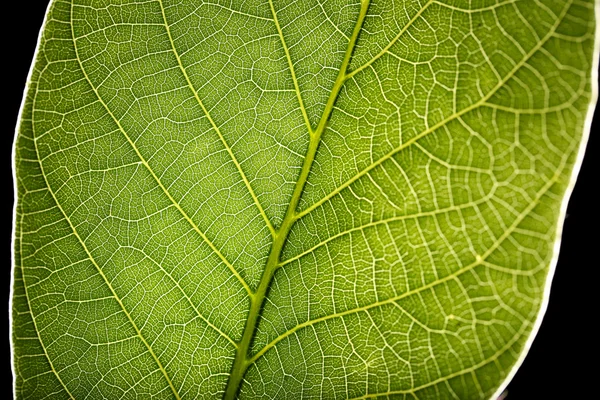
x=561 y=362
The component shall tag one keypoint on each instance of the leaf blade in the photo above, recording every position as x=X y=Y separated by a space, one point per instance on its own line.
x=419 y=224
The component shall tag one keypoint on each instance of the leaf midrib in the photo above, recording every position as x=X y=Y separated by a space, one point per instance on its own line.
x=342 y=77
x=242 y=359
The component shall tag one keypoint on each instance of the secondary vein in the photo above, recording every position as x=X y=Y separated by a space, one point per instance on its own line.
x=89 y=254
x=33 y=319
x=243 y=359
x=156 y=178
x=214 y=125
x=480 y=260
x=480 y=103
x=291 y=66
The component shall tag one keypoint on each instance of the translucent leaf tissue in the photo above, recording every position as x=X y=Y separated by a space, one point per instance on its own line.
x=283 y=199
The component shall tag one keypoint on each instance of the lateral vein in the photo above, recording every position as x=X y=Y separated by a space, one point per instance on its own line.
x=291 y=67
x=107 y=282
x=481 y=102
x=479 y=261
x=383 y=222
x=392 y=42
x=242 y=358
x=214 y=125
x=156 y=178
x=91 y=258
x=37 y=331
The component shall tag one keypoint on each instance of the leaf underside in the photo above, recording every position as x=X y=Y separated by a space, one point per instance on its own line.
x=292 y=199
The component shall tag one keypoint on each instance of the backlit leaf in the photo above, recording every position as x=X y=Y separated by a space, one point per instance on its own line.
x=293 y=198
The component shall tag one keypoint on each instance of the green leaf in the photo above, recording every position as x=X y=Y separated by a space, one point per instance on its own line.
x=293 y=199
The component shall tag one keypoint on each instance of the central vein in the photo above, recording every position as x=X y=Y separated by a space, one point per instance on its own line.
x=242 y=358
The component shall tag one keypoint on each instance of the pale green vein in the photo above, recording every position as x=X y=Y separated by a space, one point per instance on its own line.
x=156 y=178
x=292 y=70
x=213 y=123
x=492 y=7
x=242 y=357
x=392 y=42
x=386 y=221
x=100 y=272
x=233 y=11
x=35 y=326
x=408 y=143
x=189 y=300
x=524 y=327
x=107 y=282
x=338 y=30
x=532 y=111
x=421 y=324
x=479 y=259
x=528 y=272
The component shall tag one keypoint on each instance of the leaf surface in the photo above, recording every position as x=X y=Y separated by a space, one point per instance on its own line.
x=293 y=199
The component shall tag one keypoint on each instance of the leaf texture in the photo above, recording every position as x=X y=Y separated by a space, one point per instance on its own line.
x=293 y=199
